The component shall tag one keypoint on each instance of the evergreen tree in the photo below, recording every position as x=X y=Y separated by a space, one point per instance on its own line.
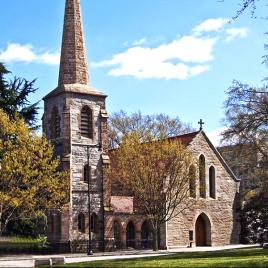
x=14 y=97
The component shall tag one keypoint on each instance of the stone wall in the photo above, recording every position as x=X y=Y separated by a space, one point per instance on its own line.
x=72 y=148
x=221 y=211
x=62 y=149
x=79 y=160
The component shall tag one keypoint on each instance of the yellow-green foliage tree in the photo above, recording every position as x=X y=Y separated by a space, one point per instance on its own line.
x=157 y=173
x=30 y=179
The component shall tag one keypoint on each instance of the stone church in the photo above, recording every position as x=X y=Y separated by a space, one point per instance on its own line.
x=75 y=120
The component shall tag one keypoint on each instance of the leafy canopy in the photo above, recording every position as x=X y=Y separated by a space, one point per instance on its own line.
x=156 y=173
x=30 y=180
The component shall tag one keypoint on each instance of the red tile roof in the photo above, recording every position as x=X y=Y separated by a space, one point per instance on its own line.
x=185 y=138
x=122 y=204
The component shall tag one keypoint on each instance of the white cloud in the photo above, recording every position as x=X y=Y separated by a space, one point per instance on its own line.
x=25 y=53
x=211 y=25
x=181 y=58
x=158 y=62
x=199 y=69
x=233 y=33
x=215 y=136
x=139 y=42
x=50 y=58
x=16 y=52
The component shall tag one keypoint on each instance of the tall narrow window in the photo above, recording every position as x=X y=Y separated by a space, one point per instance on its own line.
x=87 y=173
x=81 y=222
x=86 y=123
x=212 y=182
x=55 y=124
x=202 y=176
x=192 y=181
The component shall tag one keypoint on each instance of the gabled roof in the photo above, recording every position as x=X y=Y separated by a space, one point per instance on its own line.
x=188 y=138
x=223 y=162
x=185 y=138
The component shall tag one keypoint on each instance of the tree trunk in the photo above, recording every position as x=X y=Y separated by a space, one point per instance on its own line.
x=155 y=237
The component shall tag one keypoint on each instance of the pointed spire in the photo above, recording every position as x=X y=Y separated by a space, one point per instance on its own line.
x=73 y=63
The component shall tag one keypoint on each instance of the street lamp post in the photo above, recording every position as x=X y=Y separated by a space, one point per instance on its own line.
x=88 y=146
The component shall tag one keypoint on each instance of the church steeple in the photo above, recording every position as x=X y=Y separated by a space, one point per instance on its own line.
x=73 y=63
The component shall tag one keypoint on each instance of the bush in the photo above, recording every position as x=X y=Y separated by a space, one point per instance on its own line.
x=254 y=221
x=27 y=227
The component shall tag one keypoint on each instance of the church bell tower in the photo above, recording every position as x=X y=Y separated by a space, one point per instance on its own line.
x=75 y=121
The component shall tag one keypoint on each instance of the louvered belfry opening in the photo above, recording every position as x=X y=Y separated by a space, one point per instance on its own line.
x=86 y=123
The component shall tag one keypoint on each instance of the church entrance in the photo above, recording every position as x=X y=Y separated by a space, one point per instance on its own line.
x=130 y=235
x=202 y=231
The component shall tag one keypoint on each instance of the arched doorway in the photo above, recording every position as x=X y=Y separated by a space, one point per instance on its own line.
x=117 y=232
x=146 y=235
x=130 y=235
x=202 y=231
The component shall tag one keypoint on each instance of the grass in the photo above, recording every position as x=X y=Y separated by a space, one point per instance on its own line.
x=251 y=258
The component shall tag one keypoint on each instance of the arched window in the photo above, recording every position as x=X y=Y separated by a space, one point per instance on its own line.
x=87 y=173
x=55 y=124
x=202 y=176
x=192 y=181
x=81 y=222
x=212 y=182
x=86 y=123
x=94 y=223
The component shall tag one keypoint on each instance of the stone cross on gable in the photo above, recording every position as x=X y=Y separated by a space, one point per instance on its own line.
x=201 y=123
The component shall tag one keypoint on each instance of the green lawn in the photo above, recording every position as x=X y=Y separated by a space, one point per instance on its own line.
x=252 y=258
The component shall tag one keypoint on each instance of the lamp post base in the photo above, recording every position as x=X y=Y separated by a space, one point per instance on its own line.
x=90 y=252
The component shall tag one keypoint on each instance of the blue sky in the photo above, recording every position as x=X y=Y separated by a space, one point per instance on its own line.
x=157 y=56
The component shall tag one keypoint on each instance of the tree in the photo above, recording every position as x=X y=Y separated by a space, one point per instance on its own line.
x=252 y=5
x=30 y=180
x=254 y=218
x=14 y=97
x=246 y=111
x=159 y=125
x=246 y=119
x=157 y=173
x=248 y=4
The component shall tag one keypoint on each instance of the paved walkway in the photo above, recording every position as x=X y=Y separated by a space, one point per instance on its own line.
x=28 y=260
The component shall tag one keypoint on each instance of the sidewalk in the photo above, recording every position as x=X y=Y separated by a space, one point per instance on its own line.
x=28 y=260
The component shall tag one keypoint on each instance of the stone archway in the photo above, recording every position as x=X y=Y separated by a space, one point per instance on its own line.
x=202 y=231
x=146 y=235
x=130 y=235
x=117 y=234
